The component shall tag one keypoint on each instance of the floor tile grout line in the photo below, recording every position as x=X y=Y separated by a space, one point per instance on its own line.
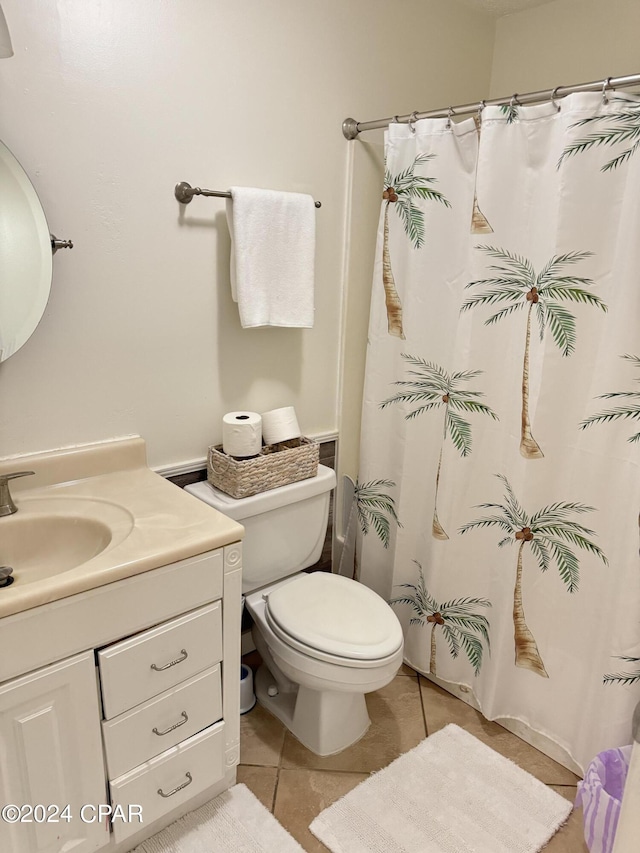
x=275 y=792
x=424 y=713
x=282 y=746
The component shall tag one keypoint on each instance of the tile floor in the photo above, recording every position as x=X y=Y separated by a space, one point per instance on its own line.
x=296 y=785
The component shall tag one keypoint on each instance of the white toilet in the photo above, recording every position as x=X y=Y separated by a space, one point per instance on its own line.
x=325 y=640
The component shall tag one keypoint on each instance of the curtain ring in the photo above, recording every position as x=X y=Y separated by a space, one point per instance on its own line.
x=606 y=85
x=450 y=114
x=514 y=100
x=554 y=94
x=481 y=107
x=412 y=121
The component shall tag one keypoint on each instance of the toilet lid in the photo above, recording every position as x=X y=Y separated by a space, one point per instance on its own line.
x=336 y=615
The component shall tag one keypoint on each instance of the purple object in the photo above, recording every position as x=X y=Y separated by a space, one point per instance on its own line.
x=600 y=795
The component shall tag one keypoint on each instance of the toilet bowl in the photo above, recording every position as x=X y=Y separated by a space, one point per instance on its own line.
x=317 y=666
x=325 y=640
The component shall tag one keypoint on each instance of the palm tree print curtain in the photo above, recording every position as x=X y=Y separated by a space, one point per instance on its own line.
x=500 y=416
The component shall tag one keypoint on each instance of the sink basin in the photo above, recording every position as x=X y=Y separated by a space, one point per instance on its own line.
x=45 y=545
x=92 y=515
x=48 y=536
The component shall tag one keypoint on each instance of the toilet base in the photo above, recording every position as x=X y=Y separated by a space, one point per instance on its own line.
x=325 y=721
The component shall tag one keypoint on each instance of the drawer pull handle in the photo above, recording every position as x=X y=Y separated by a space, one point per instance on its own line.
x=175 y=726
x=184 y=654
x=179 y=788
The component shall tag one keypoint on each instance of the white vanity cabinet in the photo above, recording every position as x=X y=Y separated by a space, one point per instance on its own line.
x=131 y=700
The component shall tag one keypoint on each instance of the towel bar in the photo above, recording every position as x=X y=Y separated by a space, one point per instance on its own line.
x=184 y=192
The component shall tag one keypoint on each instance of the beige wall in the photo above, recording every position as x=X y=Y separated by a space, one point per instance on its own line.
x=109 y=104
x=565 y=42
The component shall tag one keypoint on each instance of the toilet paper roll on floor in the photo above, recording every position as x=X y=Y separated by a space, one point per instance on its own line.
x=242 y=434
x=280 y=425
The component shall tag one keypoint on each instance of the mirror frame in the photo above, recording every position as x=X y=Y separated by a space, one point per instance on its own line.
x=26 y=260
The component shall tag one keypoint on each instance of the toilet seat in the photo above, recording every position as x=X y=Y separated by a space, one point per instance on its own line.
x=333 y=619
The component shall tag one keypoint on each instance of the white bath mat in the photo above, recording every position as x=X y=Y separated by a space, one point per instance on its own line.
x=451 y=794
x=235 y=822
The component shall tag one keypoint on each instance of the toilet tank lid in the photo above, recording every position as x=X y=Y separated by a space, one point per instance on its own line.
x=241 y=508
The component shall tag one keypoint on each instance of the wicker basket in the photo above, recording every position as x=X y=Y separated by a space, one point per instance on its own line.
x=277 y=465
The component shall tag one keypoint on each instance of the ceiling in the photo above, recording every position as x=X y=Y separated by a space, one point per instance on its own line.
x=503 y=7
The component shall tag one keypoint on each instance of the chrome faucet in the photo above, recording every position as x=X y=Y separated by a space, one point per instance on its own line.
x=7 y=506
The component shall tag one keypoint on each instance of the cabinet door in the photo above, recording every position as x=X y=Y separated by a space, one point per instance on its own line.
x=51 y=756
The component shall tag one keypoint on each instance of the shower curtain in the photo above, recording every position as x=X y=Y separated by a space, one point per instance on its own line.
x=499 y=485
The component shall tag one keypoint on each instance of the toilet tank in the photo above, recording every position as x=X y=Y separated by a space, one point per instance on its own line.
x=285 y=528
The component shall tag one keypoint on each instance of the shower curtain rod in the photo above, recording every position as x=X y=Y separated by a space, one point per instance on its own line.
x=351 y=128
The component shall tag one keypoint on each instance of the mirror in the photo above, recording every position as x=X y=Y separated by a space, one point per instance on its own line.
x=25 y=256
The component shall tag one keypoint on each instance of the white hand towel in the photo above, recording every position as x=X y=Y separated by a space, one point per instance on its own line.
x=272 y=257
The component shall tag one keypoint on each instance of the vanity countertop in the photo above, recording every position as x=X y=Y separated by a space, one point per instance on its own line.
x=151 y=521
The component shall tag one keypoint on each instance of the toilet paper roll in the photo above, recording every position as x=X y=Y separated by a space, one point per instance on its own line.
x=247 y=696
x=280 y=425
x=242 y=434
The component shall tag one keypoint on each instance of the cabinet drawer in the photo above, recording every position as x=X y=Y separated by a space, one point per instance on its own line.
x=156 y=660
x=179 y=773
x=162 y=722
